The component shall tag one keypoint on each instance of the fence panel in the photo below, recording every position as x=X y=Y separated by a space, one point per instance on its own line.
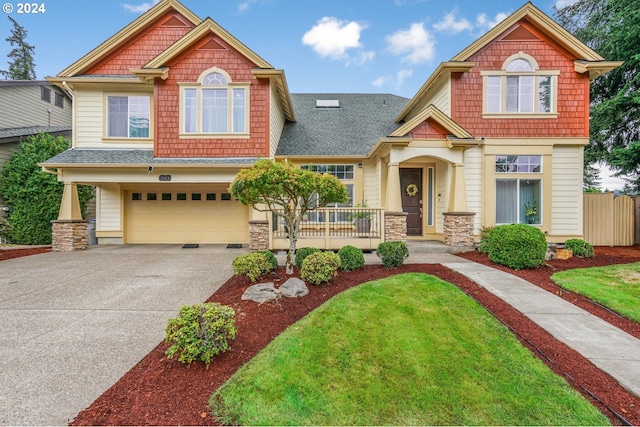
x=608 y=220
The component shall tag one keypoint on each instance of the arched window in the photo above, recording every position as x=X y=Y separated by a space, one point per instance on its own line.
x=520 y=87
x=214 y=105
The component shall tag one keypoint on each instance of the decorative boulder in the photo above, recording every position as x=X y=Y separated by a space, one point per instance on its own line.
x=294 y=288
x=262 y=292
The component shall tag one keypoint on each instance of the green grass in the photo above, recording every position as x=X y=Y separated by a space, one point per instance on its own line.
x=616 y=287
x=406 y=350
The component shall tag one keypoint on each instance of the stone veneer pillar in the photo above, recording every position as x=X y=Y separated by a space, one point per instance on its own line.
x=395 y=226
x=69 y=235
x=259 y=235
x=458 y=228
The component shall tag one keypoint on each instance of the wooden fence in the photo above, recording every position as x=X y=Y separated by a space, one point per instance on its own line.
x=611 y=220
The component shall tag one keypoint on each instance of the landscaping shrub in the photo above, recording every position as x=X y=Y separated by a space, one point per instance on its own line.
x=271 y=258
x=253 y=265
x=320 y=267
x=200 y=332
x=5 y=230
x=517 y=246
x=392 y=253
x=302 y=253
x=580 y=248
x=351 y=258
x=483 y=246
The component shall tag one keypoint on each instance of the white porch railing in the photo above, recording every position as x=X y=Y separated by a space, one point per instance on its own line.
x=332 y=228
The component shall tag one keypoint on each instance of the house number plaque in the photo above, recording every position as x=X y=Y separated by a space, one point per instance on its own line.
x=165 y=178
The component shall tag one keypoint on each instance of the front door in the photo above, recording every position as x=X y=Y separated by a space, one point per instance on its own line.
x=411 y=190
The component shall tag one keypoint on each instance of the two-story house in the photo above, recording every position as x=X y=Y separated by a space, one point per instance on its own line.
x=28 y=107
x=171 y=107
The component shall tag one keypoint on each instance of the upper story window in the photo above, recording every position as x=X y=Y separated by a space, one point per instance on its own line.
x=215 y=105
x=520 y=88
x=59 y=100
x=45 y=94
x=128 y=116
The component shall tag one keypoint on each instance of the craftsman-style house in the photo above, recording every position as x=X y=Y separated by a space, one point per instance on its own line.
x=171 y=107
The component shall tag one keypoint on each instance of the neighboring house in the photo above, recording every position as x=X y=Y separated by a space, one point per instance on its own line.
x=28 y=107
x=170 y=108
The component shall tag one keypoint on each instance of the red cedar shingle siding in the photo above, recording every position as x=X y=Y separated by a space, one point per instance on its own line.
x=573 y=93
x=187 y=68
x=145 y=46
x=428 y=130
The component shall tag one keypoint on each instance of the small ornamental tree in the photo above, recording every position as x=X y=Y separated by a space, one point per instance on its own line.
x=287 y=191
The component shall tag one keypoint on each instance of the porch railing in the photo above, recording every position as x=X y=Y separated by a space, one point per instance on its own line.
x=332 y=228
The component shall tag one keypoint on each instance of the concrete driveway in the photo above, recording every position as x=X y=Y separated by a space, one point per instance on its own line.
x=71 y=324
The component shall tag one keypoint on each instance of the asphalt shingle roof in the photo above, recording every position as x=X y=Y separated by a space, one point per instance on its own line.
x=31 y=130
x=136 y=157
x=353 y=129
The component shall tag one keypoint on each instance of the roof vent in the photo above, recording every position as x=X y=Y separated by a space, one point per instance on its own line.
x=327 y=103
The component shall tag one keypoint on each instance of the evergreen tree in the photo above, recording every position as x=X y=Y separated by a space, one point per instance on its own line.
x=610 y=27
x=21 y=64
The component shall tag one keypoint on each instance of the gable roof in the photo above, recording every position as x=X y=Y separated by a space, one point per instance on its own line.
x=352 y=129
x=208 y=26
x=431 y=112
x=122 y=36
x=460 y=62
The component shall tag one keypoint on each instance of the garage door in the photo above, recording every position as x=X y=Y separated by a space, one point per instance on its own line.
x=185 y=215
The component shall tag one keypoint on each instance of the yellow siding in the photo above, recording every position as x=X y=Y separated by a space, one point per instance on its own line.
x=371 y=183
x=473 y=181
x=566 y=193
x=441 y=99
x=108 y=205
x=89 y=121
x=277 y=121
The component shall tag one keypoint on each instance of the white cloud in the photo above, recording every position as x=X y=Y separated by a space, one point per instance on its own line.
x=243 y=7
x=396 y=80
x=331 y=37
x=564 y=3
x=450 y=24
x=361 y=58
x=485 y=24
x=416 y=44
x=140 y=8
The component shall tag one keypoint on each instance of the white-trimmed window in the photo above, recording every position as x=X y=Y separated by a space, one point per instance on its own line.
x=215 y=105
x=346 y=175
x=518 y=197
x=520 y=87
x=128 y=116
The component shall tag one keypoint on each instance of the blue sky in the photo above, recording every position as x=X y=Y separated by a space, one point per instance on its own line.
x=362 y=46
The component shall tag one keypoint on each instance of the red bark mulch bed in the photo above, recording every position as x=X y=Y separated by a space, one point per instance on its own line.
x=158 y=391
x=8 y=252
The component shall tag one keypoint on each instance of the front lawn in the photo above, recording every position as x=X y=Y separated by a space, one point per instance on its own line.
x=616 y=287
x=410 y=349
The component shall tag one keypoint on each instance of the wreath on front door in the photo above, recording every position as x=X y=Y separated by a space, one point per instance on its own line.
x=411 y=190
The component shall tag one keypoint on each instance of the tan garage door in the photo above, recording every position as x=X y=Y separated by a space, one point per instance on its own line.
x=185 y=215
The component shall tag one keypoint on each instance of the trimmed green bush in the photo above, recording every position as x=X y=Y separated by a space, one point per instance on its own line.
x=483 y=246
x=392 y=253
x=253 y=265
x=5 y=230
x=200 y=332
x=320 y=267
x=517 y=246
x=271 y=258
x=302 y=253
x=351 y=258
x=580 y=248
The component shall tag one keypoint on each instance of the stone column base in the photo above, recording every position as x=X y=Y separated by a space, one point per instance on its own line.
x=259 y=235
x=395 y=226
x=69 y=235
x=458 y=229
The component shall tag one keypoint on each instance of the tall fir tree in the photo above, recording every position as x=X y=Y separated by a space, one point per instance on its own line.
x=610 y=27
x=21 y=63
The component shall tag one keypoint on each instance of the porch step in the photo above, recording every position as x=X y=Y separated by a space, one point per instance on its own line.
x=434 y=247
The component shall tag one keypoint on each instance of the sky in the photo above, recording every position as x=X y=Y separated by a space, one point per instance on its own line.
x=324 y=46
